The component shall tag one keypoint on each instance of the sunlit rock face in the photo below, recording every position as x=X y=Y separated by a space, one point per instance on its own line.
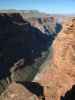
x=58 y=65
x=16 y=92
x=58 y=77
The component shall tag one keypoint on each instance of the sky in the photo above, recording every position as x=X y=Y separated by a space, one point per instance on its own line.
x=48 y=6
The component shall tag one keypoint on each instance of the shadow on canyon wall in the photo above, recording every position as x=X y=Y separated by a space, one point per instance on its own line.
x=20 y=40
x=34 y=88
x=70 y=94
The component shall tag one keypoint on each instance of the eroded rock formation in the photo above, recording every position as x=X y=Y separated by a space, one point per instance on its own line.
x=23 y=48
x=21 y=45
x=59 y=75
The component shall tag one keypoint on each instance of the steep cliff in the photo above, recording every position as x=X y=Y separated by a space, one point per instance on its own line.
x=21 y=45
x=23 y=50
x=59 y=75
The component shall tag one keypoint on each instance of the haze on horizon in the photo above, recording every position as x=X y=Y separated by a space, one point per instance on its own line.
x=48 y=6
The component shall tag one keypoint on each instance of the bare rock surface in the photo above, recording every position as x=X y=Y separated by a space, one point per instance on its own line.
x=59 y=77
x=16 y=92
